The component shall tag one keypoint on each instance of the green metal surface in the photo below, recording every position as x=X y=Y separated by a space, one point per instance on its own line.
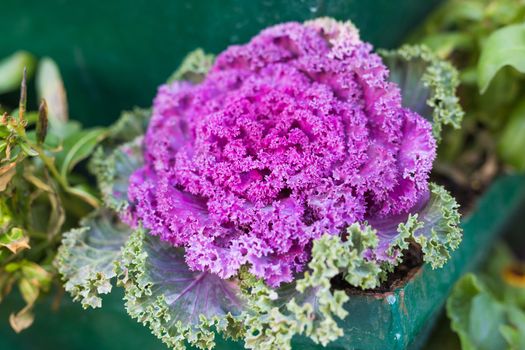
x=113 y=54
x=397 y=320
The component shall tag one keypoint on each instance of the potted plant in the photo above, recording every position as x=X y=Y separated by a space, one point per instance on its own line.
x=270 y=187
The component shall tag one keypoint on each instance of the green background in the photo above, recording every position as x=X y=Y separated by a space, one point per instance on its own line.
x=114 y=53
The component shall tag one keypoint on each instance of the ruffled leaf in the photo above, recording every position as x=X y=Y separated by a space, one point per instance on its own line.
x=177 y=304
x=113 y=172
x=130 y=125
x=119 y=156
x=194 y=67
x=433 y=223
x=428 y=85
x=86 y=259
x=313 y=308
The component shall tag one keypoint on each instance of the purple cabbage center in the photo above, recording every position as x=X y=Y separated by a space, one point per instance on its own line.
x=296 y=134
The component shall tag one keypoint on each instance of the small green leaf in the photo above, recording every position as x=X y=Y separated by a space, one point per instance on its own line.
x=36 y=274
x=28 y=149
x=78 y=147
x=14 y=240
x=504 y=47
x=458 y=307
x=11 y=70
x=85 y=192
x=485 y=318
x=28 y=290
x=86 y=259
x=476 y=316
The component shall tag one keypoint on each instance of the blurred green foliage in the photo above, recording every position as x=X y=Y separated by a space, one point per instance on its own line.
x=41 y=194
x=487 y=310
x=485 y=39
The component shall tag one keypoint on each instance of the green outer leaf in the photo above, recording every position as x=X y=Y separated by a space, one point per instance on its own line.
x=504 y=47
x=86 y=259
x=113 y=172
x=428 y=85
x=194 y=67
x=177 y=304
x=12 y=68
x=120 y=155
x=78 y=147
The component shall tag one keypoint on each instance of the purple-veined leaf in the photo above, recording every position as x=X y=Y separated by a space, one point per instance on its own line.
x=176 y=303
x=86 y=259
x=428 y=85
x=433 y=223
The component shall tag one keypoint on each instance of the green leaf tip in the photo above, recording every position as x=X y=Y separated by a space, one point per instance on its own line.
x=86 y=260
x=194 y=67
x=428 y=85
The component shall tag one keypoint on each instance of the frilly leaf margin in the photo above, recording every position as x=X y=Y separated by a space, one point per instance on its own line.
x=154 y=311
x=437 y=76
x=86 y=259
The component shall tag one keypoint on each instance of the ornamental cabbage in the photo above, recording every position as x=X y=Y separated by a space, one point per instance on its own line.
x=261 y=175
x=294 y=135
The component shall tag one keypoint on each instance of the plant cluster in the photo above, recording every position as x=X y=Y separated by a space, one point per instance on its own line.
x=40 y=196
